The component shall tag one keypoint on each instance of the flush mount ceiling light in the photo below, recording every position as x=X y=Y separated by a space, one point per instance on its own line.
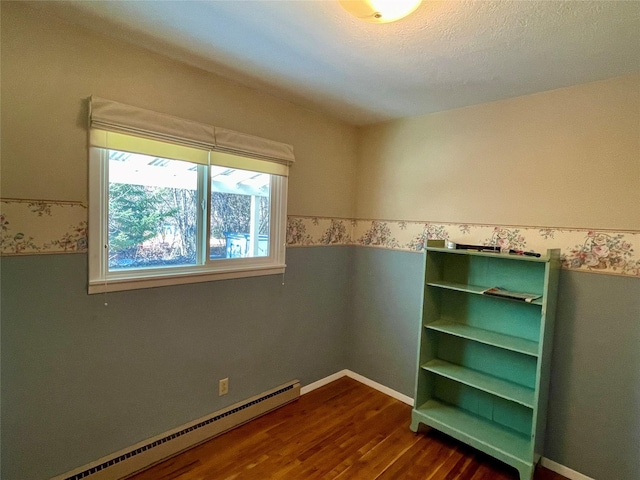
x=380 y=11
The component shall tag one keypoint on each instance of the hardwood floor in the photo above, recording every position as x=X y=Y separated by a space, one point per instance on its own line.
x=344 y=430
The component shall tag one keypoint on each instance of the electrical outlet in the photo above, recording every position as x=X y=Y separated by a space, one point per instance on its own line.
x=223 y=387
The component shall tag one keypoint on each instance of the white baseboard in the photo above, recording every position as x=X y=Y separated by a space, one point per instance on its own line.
x=356 y=376
x=562 y=470
x=323 y=381
x=381 y=388
x=545 y=462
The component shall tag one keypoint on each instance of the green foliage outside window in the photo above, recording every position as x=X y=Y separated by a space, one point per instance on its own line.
x=156 y=226
x=151 y=225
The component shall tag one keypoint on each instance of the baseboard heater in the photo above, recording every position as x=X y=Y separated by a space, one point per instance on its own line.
x=144 y=454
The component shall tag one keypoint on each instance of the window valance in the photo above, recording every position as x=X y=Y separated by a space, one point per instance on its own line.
x=109 y=116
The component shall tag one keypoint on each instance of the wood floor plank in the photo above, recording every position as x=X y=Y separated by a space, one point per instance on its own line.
x=342 y=431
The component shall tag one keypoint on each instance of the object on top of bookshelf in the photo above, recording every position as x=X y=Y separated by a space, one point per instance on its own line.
x=478 y=248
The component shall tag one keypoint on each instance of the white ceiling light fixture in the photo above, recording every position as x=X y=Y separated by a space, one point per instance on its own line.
x=380 y=11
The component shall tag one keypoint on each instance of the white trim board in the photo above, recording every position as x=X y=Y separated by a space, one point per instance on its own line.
x=562 y=470
x=545 y=462
x=381 y=388
x=323 y=381
x=364 y=380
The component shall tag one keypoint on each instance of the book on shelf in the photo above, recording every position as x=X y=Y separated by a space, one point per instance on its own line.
x=501 y=292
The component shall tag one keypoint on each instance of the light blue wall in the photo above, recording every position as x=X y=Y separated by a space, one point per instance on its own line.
x=385 y=316
x=81 y=380
x=594 y=419
x=594 y=407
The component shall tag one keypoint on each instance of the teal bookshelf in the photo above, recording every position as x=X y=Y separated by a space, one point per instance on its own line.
x=483 y=362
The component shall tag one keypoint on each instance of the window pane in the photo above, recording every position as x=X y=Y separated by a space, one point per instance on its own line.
x=152 y=211
x=239 y=213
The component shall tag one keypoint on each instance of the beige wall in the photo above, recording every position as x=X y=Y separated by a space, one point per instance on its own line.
x=564 y=158
x=49 y=68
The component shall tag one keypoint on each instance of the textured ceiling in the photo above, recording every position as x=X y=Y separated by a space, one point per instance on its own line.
x=448 y=54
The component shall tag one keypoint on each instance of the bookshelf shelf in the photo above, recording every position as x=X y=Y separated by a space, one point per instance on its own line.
x=501 y=442
x=475 y=289
x=521 y=258
x=488 y=383
x=488 y=337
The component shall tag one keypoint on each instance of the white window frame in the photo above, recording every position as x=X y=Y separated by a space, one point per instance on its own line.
x=122 y=127
x=102 y=280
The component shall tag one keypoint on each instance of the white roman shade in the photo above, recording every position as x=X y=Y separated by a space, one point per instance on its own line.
x=124 y=127
x=155 y=148
x=118 y=117
x=243 y=144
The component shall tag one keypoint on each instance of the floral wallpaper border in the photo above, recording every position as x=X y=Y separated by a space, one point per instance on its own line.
x=599 y=251
x=29 y=227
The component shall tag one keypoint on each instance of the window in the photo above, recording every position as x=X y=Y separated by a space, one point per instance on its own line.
x=163 y=212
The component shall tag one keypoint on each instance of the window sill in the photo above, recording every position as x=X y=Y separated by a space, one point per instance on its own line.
x=164 y=280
